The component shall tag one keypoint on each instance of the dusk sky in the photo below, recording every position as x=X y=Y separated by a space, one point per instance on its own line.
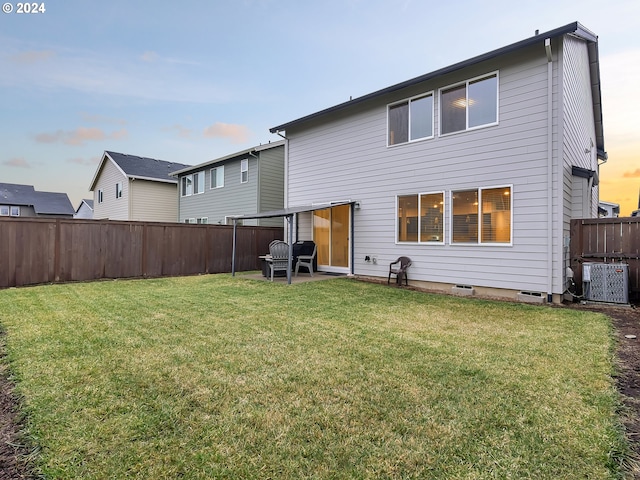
x=192 y=81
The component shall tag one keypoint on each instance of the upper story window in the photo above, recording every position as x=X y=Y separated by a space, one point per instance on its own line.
x=192 y=184
x=198 y=182
x=469 y=105
x=244 y=170
x=410 y=120
x=186 y=185
x=481 y=215
x=15 y=211
x=4 y=210
x=217 y=177
x=100 y=196
x=421 y=218
x=119 y=190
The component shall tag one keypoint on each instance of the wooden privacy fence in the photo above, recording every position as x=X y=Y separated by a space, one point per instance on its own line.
x=38 y=251
x=608 y=240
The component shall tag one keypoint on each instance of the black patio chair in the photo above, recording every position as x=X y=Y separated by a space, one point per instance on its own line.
x=399 y=270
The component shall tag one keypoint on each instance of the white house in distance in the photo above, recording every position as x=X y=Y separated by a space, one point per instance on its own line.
x=474 y=170
x=608 y=209
x=84 y=210
x=128 y=187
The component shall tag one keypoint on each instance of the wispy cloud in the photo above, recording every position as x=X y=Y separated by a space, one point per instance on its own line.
x=85 y=161
x=635 y=174
x=79 y=136
x=179 y=130
x=32 y=56
x=149 y=56
x=19 y=162
x=148 y=76
x=97 y=118
x=236 y=133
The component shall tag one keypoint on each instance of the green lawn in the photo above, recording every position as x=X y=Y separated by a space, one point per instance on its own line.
x=222 y=377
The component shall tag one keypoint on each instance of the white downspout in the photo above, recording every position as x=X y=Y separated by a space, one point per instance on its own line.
x=547 y=47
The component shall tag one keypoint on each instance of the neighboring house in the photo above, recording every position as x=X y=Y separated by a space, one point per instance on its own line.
x=474 y=170
x=24 y=201
x=250 y=180
x=84 y=210
x=128 y=187
x=608 y=209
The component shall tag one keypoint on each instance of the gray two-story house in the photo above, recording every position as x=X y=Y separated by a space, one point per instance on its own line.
x=474 y=170
x=251 y=180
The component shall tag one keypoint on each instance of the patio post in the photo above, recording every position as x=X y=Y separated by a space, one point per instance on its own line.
x=233 y=251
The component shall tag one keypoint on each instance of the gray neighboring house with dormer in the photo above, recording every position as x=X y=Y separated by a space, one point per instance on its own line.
x=25 y=201
x=129 y=187
x=251 y=180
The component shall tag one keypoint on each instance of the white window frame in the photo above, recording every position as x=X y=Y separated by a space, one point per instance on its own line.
x=100 y=196
x=198 y=182
x=444 y=218
x=244 y=170
x=466 y=84
x=14 y=211
x=213 y=175
x=186 y=186
x=202 y=220
x=4 y=210
x=479 y=217
x=408 y=102
x=119 y=190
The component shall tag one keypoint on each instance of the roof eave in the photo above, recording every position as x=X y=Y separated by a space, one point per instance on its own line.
x=573 y=28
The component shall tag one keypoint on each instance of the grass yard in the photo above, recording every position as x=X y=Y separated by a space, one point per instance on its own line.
x=222 y=377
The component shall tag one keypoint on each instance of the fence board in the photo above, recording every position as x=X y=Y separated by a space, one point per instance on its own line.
x=607 y=240
x=55 y=250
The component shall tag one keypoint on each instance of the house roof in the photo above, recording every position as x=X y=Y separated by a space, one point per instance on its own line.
x=242 y=153
x=43 y=203
x=85 y=201
x=142 y=168
x=574 y=28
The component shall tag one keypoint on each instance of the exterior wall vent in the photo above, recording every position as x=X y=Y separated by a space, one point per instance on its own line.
x=463 y=290
x=606 y=282
x=531 y=297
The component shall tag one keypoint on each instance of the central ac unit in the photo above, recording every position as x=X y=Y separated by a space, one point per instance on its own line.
x=606 y=282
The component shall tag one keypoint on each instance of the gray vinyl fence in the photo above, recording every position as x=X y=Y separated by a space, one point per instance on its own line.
x=40 y=250
x=607 y=240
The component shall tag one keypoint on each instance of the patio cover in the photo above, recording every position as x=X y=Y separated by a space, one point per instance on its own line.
x=289 y=214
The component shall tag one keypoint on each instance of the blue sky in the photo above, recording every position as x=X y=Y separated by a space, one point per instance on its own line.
x=195 y=80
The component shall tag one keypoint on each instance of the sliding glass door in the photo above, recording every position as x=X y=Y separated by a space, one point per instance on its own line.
x=331 y=234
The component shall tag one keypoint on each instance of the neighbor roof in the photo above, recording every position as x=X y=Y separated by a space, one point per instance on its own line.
x=242 y=153
x=142 y=168
x=574 y=28
x=43 y=203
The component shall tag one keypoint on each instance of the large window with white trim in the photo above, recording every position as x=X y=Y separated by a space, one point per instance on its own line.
x=192 y=184
x=481 y=216
x=198 y=183
x=4 y=210
x=410 y=120
x=420 y=218
x=469 y=105
x=217 y=177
